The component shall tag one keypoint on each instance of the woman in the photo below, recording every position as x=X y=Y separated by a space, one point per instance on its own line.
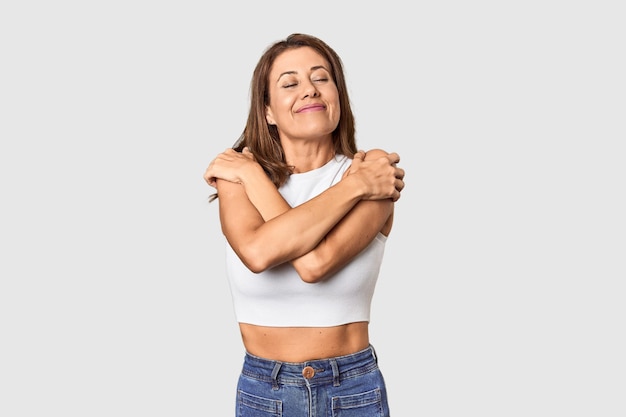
x=306 y=217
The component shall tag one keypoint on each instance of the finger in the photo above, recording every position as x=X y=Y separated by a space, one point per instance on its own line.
x=397 y=194
x=393 y=157
x=399 y=185
x=358 y=158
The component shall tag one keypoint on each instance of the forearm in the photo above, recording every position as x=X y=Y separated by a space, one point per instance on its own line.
x=263 y=244
x=263 y=194
x=345 y=241
x=264 y=231
x=339 y=245
x=310 y=231
x=302 y=228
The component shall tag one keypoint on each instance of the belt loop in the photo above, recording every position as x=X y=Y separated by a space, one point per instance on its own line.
x=374 y=353
x=333 y=364
x=277 y=366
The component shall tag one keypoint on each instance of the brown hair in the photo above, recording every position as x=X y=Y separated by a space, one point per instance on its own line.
x=262 y=138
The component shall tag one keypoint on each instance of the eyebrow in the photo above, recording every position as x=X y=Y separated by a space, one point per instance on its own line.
x=314 y=68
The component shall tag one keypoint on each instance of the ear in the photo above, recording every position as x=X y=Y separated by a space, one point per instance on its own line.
x=268 y=116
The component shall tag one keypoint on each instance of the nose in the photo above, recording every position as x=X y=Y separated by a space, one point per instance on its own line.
x=310 y=90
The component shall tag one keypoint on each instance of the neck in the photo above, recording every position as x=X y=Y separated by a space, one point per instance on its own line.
x=307 y=157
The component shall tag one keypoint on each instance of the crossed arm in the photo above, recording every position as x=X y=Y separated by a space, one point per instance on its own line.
x=318 y=237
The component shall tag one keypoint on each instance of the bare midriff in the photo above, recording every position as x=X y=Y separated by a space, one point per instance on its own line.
x=300 y=344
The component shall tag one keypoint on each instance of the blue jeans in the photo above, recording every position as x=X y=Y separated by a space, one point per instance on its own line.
x=344 y=386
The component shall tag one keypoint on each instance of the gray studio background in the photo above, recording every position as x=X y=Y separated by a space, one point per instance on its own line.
x=501 y=293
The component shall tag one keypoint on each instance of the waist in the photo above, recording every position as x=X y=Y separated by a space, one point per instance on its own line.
x=318 y=371
x=298 y=344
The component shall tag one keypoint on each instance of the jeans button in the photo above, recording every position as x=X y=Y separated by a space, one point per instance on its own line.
x=308 y=372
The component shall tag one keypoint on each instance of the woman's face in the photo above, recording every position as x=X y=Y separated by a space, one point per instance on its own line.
x=304 y=101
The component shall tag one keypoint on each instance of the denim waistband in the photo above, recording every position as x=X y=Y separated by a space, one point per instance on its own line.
x=318 y=371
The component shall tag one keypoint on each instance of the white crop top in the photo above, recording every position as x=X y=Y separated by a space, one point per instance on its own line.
x=278 y=297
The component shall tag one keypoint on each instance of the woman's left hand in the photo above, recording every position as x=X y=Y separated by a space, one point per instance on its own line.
x=229 y=165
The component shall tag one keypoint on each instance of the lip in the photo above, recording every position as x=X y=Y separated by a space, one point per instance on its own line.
x=311 y=107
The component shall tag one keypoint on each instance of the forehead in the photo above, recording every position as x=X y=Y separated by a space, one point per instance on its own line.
x=299 y=60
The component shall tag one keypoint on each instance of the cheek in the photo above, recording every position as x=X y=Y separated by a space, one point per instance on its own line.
x=282 y=104
x=276 y=108
x=336 y=107
x=336 y=112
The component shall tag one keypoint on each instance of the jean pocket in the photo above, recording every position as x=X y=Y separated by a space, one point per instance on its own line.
x=249 y=405
x=358 y=405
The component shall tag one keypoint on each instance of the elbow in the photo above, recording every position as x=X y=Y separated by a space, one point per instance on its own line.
x=310 y=277
x=312 y=271
x=255 y=267
x=254 y=259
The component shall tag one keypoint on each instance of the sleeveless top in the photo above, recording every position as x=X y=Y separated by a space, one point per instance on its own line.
x=277 y=297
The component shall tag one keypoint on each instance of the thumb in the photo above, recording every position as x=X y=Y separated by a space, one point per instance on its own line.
x=357 y=160
x=247 y=152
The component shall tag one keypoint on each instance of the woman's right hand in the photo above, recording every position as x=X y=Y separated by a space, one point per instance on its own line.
x=229 y=165
x=379 y=174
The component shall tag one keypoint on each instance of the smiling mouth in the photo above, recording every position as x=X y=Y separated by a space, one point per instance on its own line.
x=315 y=107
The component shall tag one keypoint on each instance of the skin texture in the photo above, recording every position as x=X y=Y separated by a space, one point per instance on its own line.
x=319 y=236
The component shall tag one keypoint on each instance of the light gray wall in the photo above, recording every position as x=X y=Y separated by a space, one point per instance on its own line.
x=499 y=294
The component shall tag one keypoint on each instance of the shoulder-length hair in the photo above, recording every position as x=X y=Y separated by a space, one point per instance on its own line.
x=262 y=138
